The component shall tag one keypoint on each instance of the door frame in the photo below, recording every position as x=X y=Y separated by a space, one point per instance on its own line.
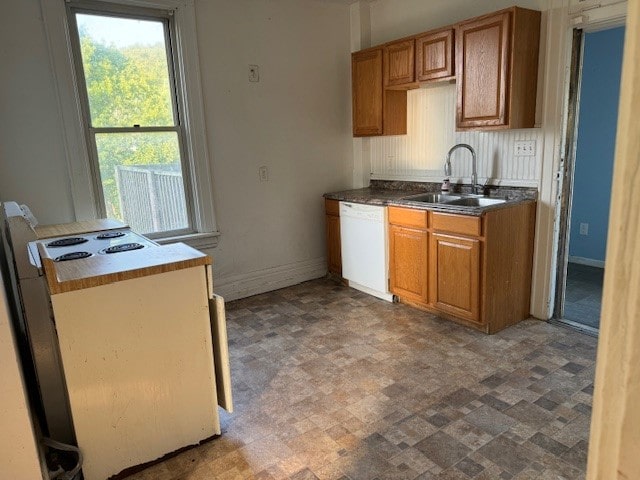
x=580 y=24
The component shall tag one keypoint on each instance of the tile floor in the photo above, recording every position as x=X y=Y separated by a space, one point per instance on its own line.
x=331 y=383
x=583 y=297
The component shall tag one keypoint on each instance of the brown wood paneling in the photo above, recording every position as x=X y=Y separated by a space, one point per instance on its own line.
x=455 y=275
x=408 y=263
x=366 y=77
x=434 y=55
x=524 y=68
x=506 y=277
x=482 y=56
x=395 y=112
x=408 y=217
x=104 y=269
x=331 y=207
x=462 y=224
x=334 y=249
x=398 y=63
x=497 y=70
x=332 y=224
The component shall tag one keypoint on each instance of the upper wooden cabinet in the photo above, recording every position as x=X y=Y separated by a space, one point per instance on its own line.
x=398 y=63
x=497 y=70
x=434 y=56
x=375 y=111
x=366 y=77
x=494 y=59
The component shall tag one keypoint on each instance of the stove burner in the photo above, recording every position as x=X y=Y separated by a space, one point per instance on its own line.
x=67 y=242
x=72 y=256
x=125 y=247
x=108 y=235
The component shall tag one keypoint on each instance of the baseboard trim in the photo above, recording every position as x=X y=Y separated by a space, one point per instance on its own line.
x=586 y=261
x=234 y=287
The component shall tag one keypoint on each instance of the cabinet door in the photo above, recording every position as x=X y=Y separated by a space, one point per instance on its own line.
x=399 y=63
x=482 y=56
x=334 y=256
x=455 y=275
x=408 y=263
x=366 y=77
x=434 y=59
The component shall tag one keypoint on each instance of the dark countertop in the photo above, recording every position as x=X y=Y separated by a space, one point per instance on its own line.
x=382 y=192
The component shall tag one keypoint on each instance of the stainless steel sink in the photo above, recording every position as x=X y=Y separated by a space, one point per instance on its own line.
x=476 y=201
x=431 y=198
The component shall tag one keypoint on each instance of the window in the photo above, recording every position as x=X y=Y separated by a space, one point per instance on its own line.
x=126 y=71
x=131 y=105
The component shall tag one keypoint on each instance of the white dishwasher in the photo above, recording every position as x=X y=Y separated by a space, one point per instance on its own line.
x=363 y=239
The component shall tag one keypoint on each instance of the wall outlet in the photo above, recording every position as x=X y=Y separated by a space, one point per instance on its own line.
x=263 y=173
x=390 y=160
x=584 y=229
x=254 y=73
x=525 y=148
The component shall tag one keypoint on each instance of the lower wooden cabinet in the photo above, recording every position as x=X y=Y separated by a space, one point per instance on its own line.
x=332 y=220
x=455 y=275
x=474 y=270
x=408 y=263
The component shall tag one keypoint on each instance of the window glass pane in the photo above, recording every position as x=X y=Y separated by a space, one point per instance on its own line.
x=142 y=181
x=126 y=71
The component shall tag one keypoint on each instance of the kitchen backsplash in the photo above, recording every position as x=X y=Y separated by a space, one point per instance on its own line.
x=420 y=154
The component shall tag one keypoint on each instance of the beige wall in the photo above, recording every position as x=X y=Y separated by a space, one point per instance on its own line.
x=295 y=121
x=19 y=458
x=33 y=166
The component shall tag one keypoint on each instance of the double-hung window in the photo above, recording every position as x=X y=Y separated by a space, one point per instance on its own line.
x=127 y=74
x=128 y=83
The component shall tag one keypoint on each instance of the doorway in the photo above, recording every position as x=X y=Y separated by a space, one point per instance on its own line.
x=594 y=94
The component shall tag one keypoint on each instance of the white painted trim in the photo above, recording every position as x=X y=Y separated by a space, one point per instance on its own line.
x=557 y=70
x=68 y=98
x=57 y=31
x=586 y=261
x=558 y=66
x=244 y=285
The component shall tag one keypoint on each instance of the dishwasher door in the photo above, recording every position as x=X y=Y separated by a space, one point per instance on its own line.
x=363 y=239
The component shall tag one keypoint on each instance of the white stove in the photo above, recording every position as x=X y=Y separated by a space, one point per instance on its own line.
x=75 y=247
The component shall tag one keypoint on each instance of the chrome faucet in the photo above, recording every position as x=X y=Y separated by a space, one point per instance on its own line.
x=474 y=165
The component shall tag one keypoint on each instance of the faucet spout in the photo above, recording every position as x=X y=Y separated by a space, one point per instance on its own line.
x=474 y=164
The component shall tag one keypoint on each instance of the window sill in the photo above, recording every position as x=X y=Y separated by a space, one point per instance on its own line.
x=199 y=241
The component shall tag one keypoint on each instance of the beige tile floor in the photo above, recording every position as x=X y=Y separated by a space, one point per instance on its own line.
x=331 y=383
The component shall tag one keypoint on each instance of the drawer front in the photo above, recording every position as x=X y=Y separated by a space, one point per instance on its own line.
x=462 y=224
x=332 y=207
x=408 y=217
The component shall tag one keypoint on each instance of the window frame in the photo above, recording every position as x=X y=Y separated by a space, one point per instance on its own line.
x=86 y=188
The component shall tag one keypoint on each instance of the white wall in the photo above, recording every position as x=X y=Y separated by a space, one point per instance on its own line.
x=295 y=121
x=391 y=19
x=19 y=457
x=420 y=154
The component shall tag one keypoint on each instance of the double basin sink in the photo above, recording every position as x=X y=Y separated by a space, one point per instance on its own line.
x=459 y=200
